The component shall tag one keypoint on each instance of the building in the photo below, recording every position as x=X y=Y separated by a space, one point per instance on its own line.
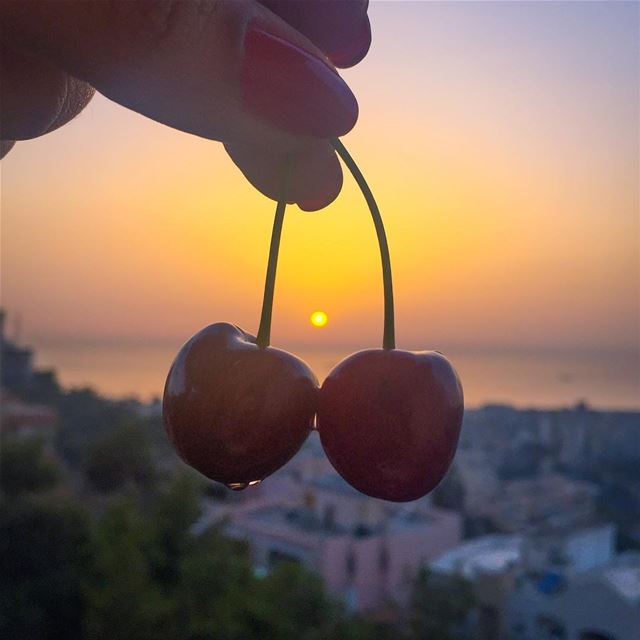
x=550 y=501
x=600 y=604
x=479 y=480
x=16 y=363
x=569 y=550
x=492 y=564
x=19 y=419
x=365 y=550
x=519 y=582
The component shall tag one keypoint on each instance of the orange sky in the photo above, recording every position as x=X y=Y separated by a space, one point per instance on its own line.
x=501 y=141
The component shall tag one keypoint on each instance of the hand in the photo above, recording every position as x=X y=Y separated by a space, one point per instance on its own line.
x=257 y=76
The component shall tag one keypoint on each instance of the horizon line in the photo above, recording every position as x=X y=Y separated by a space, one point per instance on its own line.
x=40 y=341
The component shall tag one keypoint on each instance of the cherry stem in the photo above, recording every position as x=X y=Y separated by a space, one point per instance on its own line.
x=264 y=331
x=389 y=336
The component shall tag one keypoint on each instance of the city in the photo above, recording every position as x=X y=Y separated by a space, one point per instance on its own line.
x=430 y=210
x=539 y=515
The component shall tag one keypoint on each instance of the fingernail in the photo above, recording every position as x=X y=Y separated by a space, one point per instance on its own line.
x=293 y=89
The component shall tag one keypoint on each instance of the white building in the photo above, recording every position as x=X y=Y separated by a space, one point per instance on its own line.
x=600 y=604
x=566 y=585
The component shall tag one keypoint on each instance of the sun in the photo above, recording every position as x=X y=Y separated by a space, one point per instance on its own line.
x=319 y=318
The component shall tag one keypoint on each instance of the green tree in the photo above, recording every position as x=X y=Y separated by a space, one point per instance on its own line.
x=216 y=588
x=85 y=417
x=292 y=604
x=438 y=607
x=44 y=548
x=123 y=602
x=174 y=512
x=24 y=467
x=120 y=457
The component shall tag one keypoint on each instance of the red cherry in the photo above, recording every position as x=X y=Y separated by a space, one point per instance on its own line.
x=389 y=421
x=234 y=411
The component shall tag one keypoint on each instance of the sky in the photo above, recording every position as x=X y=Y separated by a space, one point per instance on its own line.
x=501 y=141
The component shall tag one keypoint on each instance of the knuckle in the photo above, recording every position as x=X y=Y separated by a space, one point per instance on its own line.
x=154 y=22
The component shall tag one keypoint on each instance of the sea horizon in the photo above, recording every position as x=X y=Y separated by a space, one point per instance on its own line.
x=523 y=377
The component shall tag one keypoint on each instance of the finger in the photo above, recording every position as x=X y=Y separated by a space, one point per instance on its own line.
x=223 y=69
x=339 y=27
x=36 y=97
x=316 y=177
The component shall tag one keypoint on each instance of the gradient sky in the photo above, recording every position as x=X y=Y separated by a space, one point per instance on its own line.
x=500 y=139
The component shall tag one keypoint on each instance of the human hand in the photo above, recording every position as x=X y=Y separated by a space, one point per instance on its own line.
x=256 y=75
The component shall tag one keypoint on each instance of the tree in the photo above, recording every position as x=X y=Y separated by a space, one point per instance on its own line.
x=438 y=607
x=43 y=551
x=84 y=417
x=123 y=602
x=174 y=512
x=24 y=467
x=215 y=590
x=141 y=571
x=292 y=604
x=120 y=457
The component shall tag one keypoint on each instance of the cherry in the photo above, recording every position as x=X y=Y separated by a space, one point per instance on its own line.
x=236 y=411
x=235 y=408
x=389 y=421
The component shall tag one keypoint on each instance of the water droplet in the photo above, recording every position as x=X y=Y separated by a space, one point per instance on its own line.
x=237 y=486
x=240 y=486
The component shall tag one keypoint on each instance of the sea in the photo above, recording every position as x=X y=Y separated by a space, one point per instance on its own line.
x=524 y=378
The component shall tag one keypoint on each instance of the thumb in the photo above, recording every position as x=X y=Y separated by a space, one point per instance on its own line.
x=228 y=70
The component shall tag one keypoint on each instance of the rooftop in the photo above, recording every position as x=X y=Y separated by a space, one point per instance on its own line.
x=489 y=554
x=623 y=574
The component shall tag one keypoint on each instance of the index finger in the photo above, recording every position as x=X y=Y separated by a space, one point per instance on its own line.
x=340 y=28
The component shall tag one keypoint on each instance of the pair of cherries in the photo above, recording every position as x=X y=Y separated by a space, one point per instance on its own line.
x=237 y=409
x=388 y=419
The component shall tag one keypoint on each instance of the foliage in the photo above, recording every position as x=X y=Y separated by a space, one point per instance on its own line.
x=24 y=467
x=173 y=515
x=85 y=417
x=120 y=457
x=135 y=564
x=122 y=600
x=43 y=549
x=439 y=606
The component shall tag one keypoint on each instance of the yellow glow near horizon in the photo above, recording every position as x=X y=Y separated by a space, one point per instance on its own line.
x=319 y=318
x=136 y=231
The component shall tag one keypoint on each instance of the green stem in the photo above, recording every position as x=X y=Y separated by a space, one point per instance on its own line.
x=264 y=331
x=389 y=337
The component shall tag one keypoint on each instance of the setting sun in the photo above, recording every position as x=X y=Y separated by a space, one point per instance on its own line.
x=319 y=318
